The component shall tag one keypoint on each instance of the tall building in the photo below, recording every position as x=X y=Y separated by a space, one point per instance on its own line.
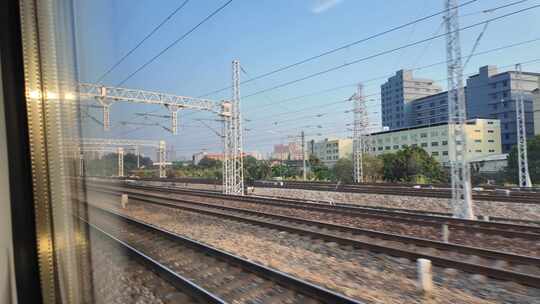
x=492 y=95
x=280 y=152
x=398 y=91
x=482 y=135
x=290 y=151
x=536 y=111
x=488 y=94
x=428 y=110
x=329 y=151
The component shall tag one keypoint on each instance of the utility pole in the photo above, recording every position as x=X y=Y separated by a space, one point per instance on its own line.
x=459 y=167
x=138 y=157
x=161 y=158
x=302 y=135
x=524 y=177
x=120 y=152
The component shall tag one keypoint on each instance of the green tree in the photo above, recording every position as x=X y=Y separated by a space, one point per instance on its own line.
x=372 y=167
x=343 y=170
x=533 y=157
x=209 y=163
x=256 y=169
x=283 y=170
x=411 y=164
x=318 y=170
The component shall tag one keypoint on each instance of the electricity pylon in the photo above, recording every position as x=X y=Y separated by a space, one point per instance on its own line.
x=459 y=166
x=361 y=122
x=524 y=177
x=233 y=164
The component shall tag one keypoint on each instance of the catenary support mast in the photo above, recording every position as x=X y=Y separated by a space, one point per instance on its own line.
x=360 y=124
x=459 y=166
x=524 y=177
x=233 y=165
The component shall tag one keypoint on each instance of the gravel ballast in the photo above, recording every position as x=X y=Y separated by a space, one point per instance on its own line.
x=374 y=278
x=492 y=209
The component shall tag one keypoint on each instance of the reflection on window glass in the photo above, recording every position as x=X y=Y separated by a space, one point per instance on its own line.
x=236 y=151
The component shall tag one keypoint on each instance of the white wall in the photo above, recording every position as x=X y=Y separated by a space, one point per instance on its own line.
x=7 y=279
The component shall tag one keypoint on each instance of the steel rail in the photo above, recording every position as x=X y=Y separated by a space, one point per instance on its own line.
x=498 y=273
x=178 y=281
x=493 y=228
x=514 y=197
x=282 y=279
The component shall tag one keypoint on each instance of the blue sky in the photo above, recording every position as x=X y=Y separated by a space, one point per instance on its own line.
x=265 y=35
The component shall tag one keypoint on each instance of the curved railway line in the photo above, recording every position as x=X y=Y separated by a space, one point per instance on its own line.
x=208 y=274
x=500 y=265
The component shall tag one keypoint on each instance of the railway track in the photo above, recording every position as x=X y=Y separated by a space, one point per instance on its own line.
x=503 y=266
x=412 y=211
x=138 y=282
x=356 y=206
x=211 y=275
x=508 y=230
x=503 y=195
x=490 y=193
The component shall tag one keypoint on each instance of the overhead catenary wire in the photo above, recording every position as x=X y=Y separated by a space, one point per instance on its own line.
x=309 y=76
x=150 y=34
x=175 y=42
x=412 y=69
x=343 y=47
x=317 y=107
x=521 y=43
x=307 y=118
x=315 y=116
x=258 y=107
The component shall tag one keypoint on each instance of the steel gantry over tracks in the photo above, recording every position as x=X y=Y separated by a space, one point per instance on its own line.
x=233 y=172
x=95 y=144
x=107 y=95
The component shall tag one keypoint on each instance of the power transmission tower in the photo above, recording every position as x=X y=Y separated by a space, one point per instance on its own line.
x=459 y=167
x=233 y=164
x=524 y=177
x=359 y=129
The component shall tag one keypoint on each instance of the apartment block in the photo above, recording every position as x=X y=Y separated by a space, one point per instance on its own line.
x=398 y=91
x=536 y=111
x=488 y=94
x=290 y=151
x=428 y=110
x=482 y=135
x=329 y=151
x=493 y=95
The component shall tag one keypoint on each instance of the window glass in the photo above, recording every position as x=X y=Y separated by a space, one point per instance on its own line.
x=258 y=151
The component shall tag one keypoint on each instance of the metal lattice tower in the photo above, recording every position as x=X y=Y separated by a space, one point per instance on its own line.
x=89 y=144
x=233 y=164
x=459 y=167
x=233 y=180
x=360 y=124
x=524 y=177
x=108 y=95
